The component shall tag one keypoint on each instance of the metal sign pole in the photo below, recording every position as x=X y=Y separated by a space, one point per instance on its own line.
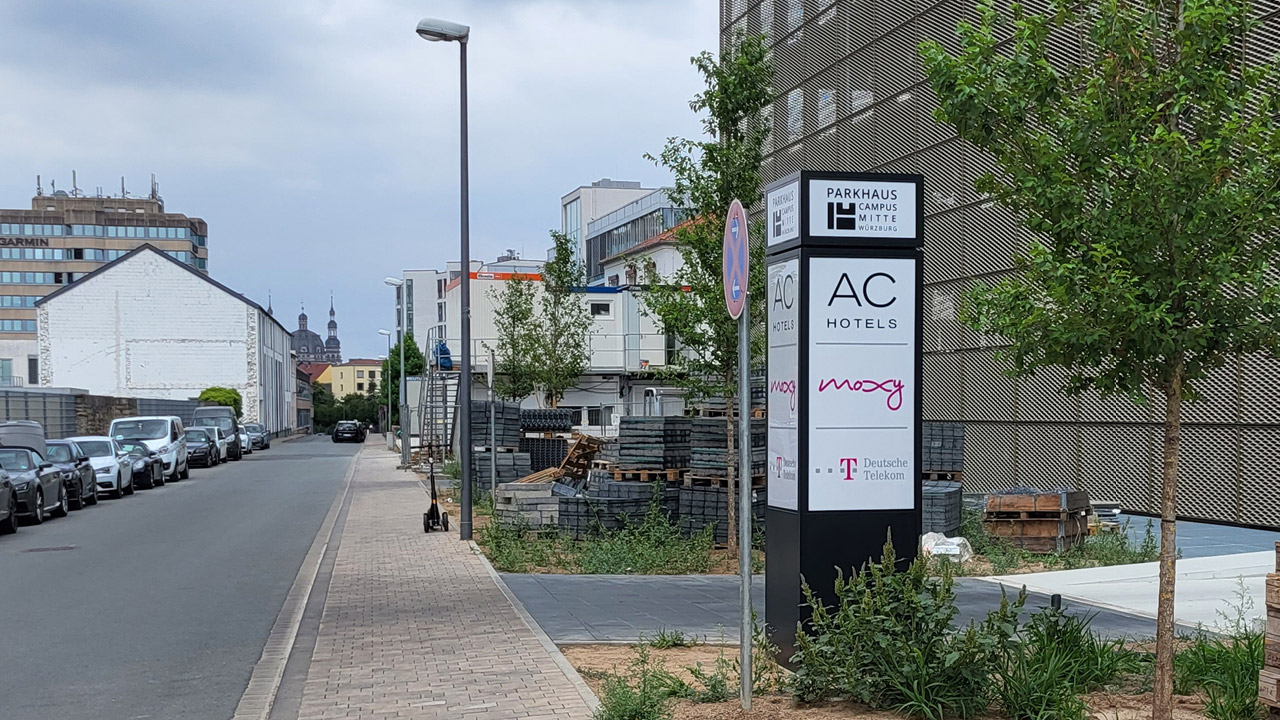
x=493 y=440
x=744 y=506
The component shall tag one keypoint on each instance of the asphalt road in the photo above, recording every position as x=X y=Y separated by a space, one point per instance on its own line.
x=162 y=605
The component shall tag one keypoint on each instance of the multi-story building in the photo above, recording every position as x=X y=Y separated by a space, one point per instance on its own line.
x=619 y=231
x=850 y=94
x=308 y=345
x=65 y=236
x=355 y=376
x=583 y=205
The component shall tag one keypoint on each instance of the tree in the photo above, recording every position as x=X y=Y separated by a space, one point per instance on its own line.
x=564 y=352
x=229 y=397
x=325 y=411
x=709 y=174
x=414 y=361
x=1147 y=174
x=518 y=342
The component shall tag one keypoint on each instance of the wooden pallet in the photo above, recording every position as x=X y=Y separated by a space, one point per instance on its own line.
x=543 y=476
x=577 y=463
x=756 y=413
x=671 y=475
x=602 y=465
x=692 y=480
x=940 y=475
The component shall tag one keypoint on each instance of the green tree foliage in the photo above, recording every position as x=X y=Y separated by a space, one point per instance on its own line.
x=709 y=174
x=229 y=397
x=1148 y=176
x=414 y=361
x=564 y=322
x=518 y=341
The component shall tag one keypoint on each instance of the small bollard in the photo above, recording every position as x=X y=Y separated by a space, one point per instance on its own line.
x=1055 y=601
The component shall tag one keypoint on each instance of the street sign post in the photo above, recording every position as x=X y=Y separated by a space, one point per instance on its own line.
x=735 y=267
x=844 y=355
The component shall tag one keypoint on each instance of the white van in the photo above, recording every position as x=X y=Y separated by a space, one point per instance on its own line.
x=163 y=435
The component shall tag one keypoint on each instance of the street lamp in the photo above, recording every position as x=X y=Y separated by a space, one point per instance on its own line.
x=404 y=393
x=387 y=429
x=435 y=30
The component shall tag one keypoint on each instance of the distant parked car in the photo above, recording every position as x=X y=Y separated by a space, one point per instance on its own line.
x=162 y=433
x=348 y=431
x=224 y=442
x=245 y=445
x=225 y=418
x=147 y=465
x=111 y=464
x=202 y=446
x=8 y=505
x=259 y=438
x=77 y=473
x=36 y=480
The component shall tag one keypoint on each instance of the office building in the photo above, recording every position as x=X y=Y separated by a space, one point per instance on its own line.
x=850 y=95
x=618 y=232
x=65 y=236
x=356 y=376
x=586 y=204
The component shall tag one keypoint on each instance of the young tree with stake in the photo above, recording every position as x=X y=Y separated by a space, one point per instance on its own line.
x=564 y=323
x=1148 y=177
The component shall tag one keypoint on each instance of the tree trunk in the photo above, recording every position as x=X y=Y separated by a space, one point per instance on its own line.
x=732 y=466
x=1162 y=696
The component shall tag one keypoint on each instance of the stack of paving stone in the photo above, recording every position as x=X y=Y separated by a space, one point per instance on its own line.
x=506 y=424
x=544 y=452
x=709 y=451
x=531 y=505
x=511 y=467
x=653 y=443
x=703 y=506
x=943 y=447
x=546 y=419
x=942 y=505
x=608 y=453
x=584 y=515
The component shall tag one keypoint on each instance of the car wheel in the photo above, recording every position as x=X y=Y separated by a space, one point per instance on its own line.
x=158 y=477
x=93 y=496
x=186 y=470
x=10 y=525
x=39 y=514
x=78 y=502
x=118 y=491
x=128 y=489
x=61 y=510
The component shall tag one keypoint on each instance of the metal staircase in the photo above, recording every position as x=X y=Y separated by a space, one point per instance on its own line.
x=437 y=411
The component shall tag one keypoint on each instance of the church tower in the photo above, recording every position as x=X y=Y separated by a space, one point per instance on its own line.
x=332 y=345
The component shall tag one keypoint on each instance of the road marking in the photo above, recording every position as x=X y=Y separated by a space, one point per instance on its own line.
x=264 y=683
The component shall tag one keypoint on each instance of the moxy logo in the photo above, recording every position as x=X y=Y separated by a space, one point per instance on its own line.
x=877 y=290
x=849 y=466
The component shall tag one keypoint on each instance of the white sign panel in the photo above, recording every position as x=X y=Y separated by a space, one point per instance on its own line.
x=782 y=213
x=863 y=384
x=862 y=209
x=784 y=366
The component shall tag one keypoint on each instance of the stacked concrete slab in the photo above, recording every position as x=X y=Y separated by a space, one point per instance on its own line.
x=709 y=449
x=531 y=505
x=703 y=506
x=653 y=443
x=511 y=466
x=943 y=447
x=942 y=500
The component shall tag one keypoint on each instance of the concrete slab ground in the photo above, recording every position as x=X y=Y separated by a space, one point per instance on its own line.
x=626 y=608
x=1197 y=539
x=1206 y=589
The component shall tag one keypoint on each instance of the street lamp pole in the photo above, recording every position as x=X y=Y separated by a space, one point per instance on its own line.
x=398 y=284
x=387 y=429
x=435 y=30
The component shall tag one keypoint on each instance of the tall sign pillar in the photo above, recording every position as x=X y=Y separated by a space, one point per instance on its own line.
x=844 y=325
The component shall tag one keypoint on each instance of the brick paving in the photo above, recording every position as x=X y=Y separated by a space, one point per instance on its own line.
x=415 y=626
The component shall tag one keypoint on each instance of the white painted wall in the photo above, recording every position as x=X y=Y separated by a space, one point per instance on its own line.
x=149 y=328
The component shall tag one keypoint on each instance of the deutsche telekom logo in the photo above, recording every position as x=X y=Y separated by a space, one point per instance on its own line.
x=849 y=466
x=891 y=388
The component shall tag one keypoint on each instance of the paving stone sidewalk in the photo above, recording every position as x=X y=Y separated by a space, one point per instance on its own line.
x=415 y=626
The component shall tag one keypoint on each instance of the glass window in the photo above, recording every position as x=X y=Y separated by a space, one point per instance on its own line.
x=795 y=114
x=359 y=386
x=601 y=309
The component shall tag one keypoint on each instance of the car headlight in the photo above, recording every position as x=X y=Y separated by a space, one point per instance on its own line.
x=67 y=474
x=164 y=450
x=22 y=486
x=102 y=471
x=140 y=465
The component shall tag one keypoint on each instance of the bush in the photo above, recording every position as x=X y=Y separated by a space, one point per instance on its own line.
x=229 y=397
x=888 y=643
x=643 y=693
x=1225 y=666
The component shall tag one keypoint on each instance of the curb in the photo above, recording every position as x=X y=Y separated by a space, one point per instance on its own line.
x=556 y=656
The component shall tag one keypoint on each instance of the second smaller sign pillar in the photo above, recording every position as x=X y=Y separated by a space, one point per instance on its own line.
x=844 y=326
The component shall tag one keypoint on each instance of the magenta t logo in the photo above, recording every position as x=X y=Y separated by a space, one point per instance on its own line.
x=849 y=466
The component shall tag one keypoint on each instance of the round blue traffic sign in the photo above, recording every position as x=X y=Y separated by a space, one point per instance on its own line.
x=736 y=251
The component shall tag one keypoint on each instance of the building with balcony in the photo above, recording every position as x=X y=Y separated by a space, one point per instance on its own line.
x=586 y=204
x=64 y=236
x=616 y=233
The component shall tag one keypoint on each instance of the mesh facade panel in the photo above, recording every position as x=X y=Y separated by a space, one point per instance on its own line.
x=850 y=94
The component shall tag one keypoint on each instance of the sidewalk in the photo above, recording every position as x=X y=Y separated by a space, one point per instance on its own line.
x=416 y=626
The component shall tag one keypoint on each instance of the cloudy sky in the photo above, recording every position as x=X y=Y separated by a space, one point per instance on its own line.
x=319 y=138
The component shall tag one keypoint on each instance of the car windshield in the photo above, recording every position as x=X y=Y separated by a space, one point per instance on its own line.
x=96 y=448
x=346 y=425
x=59 y=453
x=196 y=435
x=133 y=448
x=15 y=460
x=253 y=428
x=143 y=429
x=218 y=422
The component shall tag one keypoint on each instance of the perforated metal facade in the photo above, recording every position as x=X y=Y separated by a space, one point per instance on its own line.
x=850 y=94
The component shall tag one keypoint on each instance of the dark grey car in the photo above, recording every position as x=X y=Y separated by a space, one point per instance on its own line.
x=77 y=473
x=8 y=505
x=37 y=482
x=259 y=438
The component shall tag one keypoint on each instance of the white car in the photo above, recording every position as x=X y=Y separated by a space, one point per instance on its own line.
x=111 y=466
x=245 y=445
x=224 y=442
x=162 y=434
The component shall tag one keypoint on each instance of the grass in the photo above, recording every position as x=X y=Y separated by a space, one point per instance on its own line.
x=997 y=556
x=670 y=638
x=1224 y=666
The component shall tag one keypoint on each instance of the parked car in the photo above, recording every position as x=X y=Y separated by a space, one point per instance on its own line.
x=348 y=431
x=111 y=468
x=77 y=473
x=259 y=438
x=225 y=418
x=202 y=446
x=146 y=464
x=164 y=434
x=224 y=442
x=36 y=480
x=245 y=446
x=8 y=505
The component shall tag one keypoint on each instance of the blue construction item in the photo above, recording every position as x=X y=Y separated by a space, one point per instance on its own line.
x=442 y=357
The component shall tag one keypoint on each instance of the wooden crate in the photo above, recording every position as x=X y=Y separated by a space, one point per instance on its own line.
x=1039 y=502
x=1269 y=686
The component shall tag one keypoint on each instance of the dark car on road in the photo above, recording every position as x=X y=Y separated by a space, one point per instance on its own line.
x=148 y=467
x=202 y=446
x=8 y=505
x=77 y=473
x=259 y=438
x=225 y=418
x=348 y=431
x=38 y=483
